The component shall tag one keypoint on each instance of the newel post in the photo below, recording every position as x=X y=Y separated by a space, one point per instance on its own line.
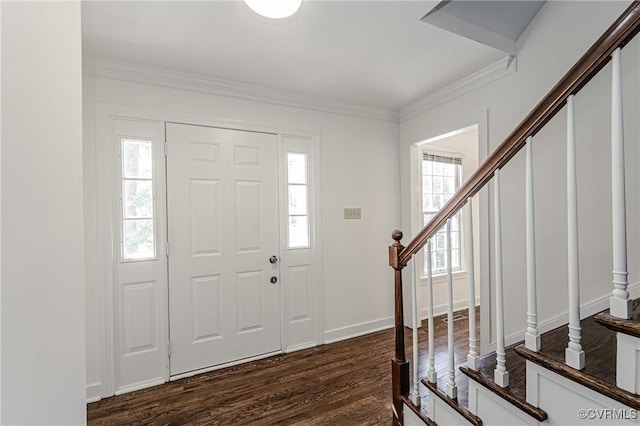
x=399 y=364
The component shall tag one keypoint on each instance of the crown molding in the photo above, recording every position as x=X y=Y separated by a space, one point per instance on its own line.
x=231 y=89
x=492 y=73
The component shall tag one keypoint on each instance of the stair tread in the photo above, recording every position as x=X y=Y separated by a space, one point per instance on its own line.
x=515 y=393
x=581 y=377
x=516 y=366
x=598 y=344
x=629 y=326
x=600 y=347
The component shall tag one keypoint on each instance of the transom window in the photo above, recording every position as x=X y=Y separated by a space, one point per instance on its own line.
x=441 y=178
x=138 y=224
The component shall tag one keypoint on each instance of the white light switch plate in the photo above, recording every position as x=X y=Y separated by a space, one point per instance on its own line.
x=353 y=213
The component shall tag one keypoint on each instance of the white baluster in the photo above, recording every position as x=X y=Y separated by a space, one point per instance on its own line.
x=415 y=395
x=432 y=376
x=574 y=355
x=500 y=374
x=472 y=357
x=452 y=389
x=619 y=303
x=532 y=337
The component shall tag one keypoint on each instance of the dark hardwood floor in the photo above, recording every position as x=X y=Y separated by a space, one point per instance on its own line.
x=328 y=385
x=344 y=383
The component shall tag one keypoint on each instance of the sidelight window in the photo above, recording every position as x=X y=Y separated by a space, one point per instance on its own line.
x=298 y=196
x=138 y=224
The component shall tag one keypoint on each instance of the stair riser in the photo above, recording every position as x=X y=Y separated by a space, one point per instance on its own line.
x=442 y=414
x=563 y=399
x=494 y=410
x=628 y=363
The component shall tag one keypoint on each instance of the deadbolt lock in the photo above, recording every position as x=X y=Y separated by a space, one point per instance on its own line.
x=273 y=259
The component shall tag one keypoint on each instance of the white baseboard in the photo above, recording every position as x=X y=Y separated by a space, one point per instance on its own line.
x=586 y=310
x=442 y=309
x=356 y=330
x=94 y=392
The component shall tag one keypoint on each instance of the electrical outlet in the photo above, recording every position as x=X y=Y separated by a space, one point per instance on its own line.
x=353 y=213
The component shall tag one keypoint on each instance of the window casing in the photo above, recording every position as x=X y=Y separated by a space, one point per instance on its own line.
x=441 y=178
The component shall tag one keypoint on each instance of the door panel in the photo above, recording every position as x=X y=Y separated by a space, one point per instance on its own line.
x=222 y=194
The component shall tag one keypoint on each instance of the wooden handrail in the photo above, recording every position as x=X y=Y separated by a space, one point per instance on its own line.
x=617 y=35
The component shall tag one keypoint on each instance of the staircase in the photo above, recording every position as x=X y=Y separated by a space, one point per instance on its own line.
x=542 y=380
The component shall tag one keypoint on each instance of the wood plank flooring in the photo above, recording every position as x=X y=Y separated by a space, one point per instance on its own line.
x=342 y=383
x=328 y=385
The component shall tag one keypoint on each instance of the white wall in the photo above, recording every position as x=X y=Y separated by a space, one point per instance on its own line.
x=43 y=331
x=559 y=35
x=359 y=168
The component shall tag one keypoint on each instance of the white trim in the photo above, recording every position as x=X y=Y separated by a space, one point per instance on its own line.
x=492 y=73
x=202 y=84
x=221 y=366
x=316 y=229
x=561 y=320
x=231 y=89
x=357 y=330
x=442 y=308
x=93 y=392
x=105 y=250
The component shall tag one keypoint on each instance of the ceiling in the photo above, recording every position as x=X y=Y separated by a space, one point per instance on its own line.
x=362 y=53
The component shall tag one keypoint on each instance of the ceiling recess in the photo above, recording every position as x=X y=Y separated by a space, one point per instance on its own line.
x=498 y=24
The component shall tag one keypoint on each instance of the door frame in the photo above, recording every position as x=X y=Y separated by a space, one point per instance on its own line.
x=481 y=205
x=107 y=250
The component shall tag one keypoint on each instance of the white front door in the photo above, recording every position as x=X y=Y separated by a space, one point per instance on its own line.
x=222 y=203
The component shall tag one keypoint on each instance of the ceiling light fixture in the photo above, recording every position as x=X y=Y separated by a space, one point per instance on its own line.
x=274 y=9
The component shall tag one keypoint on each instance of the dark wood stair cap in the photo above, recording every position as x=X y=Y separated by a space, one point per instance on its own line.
x=629 y=326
